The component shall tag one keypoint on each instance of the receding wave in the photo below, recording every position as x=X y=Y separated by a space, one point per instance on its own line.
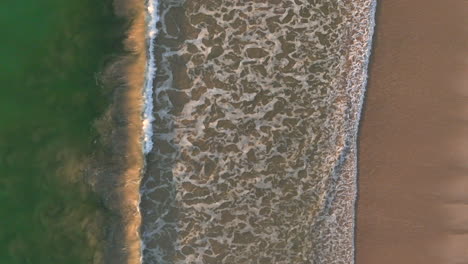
x=256 y=110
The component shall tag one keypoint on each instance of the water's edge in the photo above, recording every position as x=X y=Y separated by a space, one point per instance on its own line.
x=368 y=56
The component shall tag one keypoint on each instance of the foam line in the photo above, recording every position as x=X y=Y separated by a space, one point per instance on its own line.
x=151 y=67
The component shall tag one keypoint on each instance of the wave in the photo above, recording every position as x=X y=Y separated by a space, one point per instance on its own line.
x=151 y=68
x=256 y=147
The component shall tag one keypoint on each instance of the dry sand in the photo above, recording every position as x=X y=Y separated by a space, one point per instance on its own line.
x=413 y=163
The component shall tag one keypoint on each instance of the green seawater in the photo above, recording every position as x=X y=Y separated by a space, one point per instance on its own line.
x=51 y=53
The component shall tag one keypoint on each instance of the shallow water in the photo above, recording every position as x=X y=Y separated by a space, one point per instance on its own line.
x=256 y=110
x=52 y=54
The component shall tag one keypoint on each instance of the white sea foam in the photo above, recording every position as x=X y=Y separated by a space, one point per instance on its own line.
x=151 y=67
x=152 y=18
x=255 y=159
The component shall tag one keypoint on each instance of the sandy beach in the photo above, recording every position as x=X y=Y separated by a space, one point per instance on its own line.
x=413 y=145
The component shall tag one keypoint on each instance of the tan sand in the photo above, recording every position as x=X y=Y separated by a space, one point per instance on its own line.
x=413 y=178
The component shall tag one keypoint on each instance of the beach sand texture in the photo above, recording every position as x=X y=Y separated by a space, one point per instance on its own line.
x=413 y=149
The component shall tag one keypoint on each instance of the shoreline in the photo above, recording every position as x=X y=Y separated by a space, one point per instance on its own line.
x=409 y=132
x=370 y=61
x=355 y=79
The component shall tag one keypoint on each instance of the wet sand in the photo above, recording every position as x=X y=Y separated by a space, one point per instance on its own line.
x=413 y=146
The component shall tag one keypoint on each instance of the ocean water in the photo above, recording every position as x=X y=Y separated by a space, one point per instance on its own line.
x=256 y=106
x=53 y=53
x=180 y=131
